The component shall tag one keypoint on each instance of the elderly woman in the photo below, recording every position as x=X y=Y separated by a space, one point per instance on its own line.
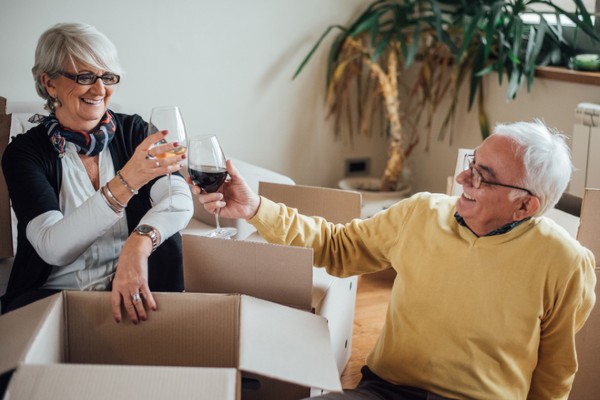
x=86 y=187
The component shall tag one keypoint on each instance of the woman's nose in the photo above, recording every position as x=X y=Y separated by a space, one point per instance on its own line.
x=98 y=86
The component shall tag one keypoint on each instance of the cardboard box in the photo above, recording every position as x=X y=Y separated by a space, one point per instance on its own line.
x=277 y=273
x=282 y=274
x=586 y=384
x=200 y=346
x=335 y=205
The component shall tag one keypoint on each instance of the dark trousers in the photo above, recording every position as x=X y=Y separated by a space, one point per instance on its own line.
x=372 y=387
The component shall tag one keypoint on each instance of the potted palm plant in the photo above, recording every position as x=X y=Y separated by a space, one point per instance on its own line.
x=448 y=42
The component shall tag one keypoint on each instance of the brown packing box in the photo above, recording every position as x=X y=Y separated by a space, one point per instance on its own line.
x=196 y=346
x=282 y=274
x=277 y=273
x=587 y=385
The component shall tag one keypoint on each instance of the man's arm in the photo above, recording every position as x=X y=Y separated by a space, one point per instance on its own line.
x=557 y=358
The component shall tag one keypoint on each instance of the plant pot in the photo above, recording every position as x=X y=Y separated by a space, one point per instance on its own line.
x=373 y=200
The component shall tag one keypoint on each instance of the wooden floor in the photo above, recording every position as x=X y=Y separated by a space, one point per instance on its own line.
x=373 y=293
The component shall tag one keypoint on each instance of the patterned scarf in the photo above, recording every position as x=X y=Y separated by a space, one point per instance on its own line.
x=90 y=143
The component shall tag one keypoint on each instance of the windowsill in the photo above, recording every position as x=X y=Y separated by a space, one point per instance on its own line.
x=568 y=75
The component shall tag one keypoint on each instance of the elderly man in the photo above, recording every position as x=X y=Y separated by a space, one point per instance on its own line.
x=488 y=294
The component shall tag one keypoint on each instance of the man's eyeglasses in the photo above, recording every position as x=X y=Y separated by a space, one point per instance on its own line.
x=477 y=178
x=90 y=79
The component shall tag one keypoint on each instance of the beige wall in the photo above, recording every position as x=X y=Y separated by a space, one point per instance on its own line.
x=228 y=64
x=552 y=101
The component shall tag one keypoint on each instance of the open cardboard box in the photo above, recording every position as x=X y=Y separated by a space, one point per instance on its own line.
x=586 y=384
x=278 y=273
x=200 y=346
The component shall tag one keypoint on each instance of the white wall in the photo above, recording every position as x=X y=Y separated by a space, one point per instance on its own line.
x=228 y=64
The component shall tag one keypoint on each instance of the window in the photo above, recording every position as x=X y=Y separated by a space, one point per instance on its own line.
x=581 y=41
x=568 y=5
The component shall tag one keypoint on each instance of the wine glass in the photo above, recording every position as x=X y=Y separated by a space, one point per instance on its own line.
x=169 y=118
x=207 y=169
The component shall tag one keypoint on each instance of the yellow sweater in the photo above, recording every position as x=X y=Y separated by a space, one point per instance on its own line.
x=469 y=317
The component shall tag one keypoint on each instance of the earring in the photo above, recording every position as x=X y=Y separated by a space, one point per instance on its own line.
x=56 y=103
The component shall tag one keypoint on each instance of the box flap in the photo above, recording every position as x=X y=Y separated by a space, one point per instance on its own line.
x=282 y=274
x=589 y=225
x=19 y=328
x=170 y=337
x=335 y=205
x=75 y=382
x=287 y=344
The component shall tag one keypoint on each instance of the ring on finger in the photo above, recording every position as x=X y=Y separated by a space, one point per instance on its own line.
x=157 y=164
x=136 y=298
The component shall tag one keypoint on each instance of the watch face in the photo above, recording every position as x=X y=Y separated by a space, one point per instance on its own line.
x=144 y=229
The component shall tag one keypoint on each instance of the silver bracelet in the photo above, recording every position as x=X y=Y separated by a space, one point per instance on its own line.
x=112 y=207
x=124 y=182
x=110 y=194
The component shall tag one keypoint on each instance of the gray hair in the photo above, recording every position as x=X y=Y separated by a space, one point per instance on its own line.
x=72 y=42
x=546 y=158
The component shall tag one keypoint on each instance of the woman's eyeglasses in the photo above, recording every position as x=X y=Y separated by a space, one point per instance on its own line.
x=90 y=79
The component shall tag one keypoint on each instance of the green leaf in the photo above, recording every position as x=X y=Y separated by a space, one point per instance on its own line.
x=467 y=36
x=484 y=71
x=513 y=84
x=369 y=24
x=535 y=52
x=365 y=15
x=438 y=21
x=315 y=47
x=475 y=80
x=381 y=46
x=412 y=50
x=517 y=38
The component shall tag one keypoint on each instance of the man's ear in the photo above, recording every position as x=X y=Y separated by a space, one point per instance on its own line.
x=528 y=206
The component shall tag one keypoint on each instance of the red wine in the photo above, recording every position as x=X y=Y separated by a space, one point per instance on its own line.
x=208 y=177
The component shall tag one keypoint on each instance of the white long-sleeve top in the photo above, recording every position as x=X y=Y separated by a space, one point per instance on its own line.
x=85 y=238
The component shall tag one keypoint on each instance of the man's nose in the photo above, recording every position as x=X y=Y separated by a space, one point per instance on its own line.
x=464 y=176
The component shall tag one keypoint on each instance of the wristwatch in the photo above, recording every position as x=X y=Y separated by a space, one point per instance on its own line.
x=150 y=231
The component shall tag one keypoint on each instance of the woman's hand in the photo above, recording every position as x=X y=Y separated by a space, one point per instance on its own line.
x=130 y=284
x=149 y=162
x=241 y=201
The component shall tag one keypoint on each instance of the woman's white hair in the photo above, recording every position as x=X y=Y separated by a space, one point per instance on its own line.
x=72 y=42
x=546 y=158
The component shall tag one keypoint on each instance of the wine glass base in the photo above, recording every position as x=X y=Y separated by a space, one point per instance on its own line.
x=172 y=209
x=222 y=233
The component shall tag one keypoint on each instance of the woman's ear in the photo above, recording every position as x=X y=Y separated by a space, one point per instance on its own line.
x=528 y=206
x=48 y=83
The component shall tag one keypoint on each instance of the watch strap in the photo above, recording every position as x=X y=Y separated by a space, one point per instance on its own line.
x=150 y=231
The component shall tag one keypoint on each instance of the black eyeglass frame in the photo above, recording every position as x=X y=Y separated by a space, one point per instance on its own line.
x=470 y=158
x=77 y=78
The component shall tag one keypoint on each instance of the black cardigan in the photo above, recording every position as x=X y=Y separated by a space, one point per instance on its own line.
x=33 y=173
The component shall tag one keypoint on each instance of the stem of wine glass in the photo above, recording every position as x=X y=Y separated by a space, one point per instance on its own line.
x=170 y=199
x=218 y=225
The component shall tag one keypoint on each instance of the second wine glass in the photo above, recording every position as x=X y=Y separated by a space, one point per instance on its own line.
x=207 y=168
x=169 y=118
